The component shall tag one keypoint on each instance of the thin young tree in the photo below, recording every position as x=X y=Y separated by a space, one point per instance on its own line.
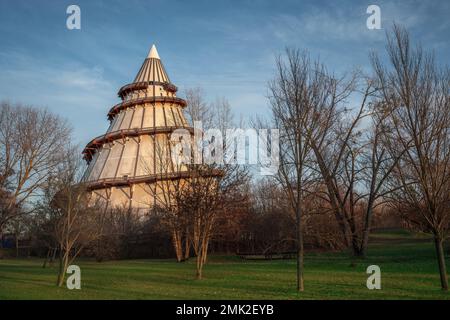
x=216 y=183
x=297 y=95
x=68 y=210
x=167 y=194
x=201 y=200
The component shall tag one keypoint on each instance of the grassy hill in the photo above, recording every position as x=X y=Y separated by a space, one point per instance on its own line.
x=408 y=271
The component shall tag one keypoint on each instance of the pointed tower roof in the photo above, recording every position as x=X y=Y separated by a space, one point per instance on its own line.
x=152 y=69
x=153 y=53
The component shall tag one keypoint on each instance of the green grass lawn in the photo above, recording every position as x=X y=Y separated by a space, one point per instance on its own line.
x=408 y=267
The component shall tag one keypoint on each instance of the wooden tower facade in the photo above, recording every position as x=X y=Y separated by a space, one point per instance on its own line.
x=125 y=162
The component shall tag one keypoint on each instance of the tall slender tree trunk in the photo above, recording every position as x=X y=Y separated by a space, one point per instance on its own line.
x=187 y=247
x=300 y=246
x=63 y=263
x=205 y=250
x=202 y=253
x=176 y=240
x=300 y=253
x=199 y=265
x=438 y=242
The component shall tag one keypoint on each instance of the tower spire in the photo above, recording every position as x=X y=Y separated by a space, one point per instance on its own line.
x=152 y=68
x=153 y=53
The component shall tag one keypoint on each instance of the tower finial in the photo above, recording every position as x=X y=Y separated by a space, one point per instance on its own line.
x=153 y=53
x=152 y=68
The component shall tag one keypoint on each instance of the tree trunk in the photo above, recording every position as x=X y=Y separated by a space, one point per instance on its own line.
x=47 y=258
x=63 y=263
x=187 y=247
x=17 y=245
x=364 y=243
x=199 y=265
x=356 y=248
x=351 y=216
x=205 y=251
x=300 y=255
x=176 y=239
x=60 y=272
x=300 y=246
x=441 y=262
x=366 y=231
x=355 y=241
x=55 y=250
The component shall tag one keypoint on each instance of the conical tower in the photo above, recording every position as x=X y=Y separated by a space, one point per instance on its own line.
x=123 y=163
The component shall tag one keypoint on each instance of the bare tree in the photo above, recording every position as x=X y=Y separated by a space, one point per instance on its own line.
x=322 y=142
x=378 y=163
x=221 y=183
x=197 y=108
x=194 y=196
x=167 y=193
x=338 y=147
x=201 y=201
x=69 y=211
x=31 y=141
x=169 y=190
x=416 y=92
x=208 y=195
x=306 y=104
x=291 y=112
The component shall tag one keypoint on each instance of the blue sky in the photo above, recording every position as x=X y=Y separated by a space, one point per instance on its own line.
x=225 y=47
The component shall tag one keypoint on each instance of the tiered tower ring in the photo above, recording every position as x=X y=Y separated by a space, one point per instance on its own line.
x=122 y=163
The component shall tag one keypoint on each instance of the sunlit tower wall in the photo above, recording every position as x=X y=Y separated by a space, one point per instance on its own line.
x=124 y=164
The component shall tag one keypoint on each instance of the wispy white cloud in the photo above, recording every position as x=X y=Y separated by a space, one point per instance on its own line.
x=227 y=49
x=74 y=91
